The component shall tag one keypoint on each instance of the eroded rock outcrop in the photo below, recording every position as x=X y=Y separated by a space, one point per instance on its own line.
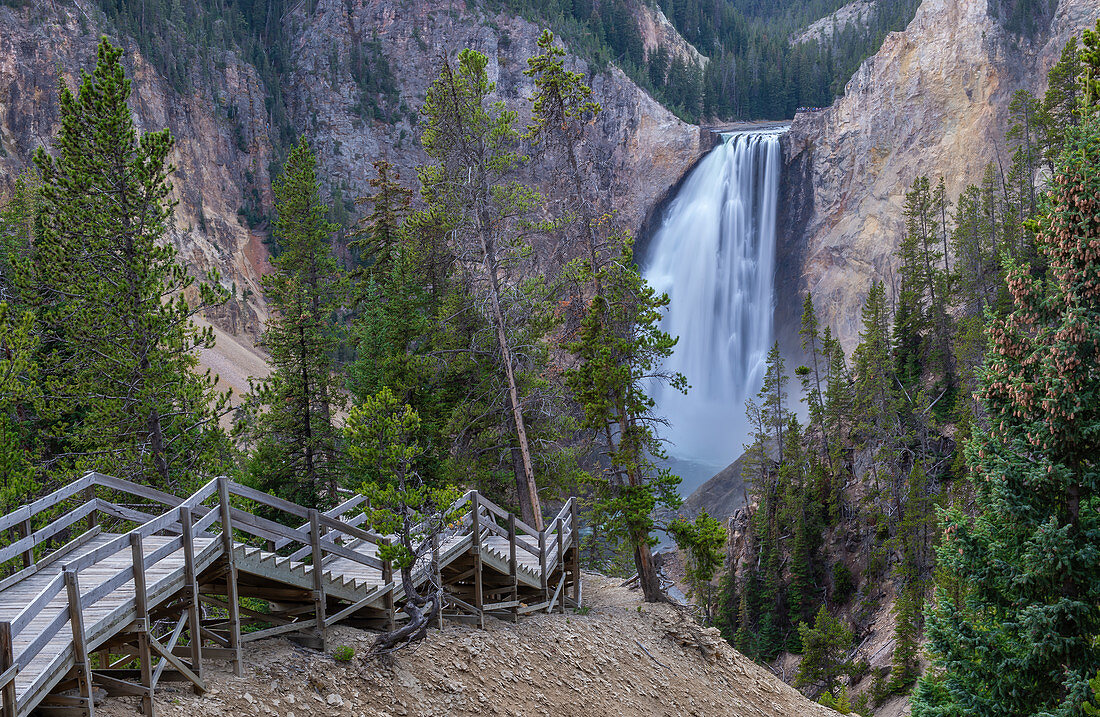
x=933 y=101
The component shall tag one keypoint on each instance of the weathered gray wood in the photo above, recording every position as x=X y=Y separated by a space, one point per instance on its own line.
x=542 y=562
x=269 y=500
x=25 y=530
x=575 y=529
x=116 y=687
x=181 y=667
x=35 y=607
x=154 y=644
x=8 y=672
x=330 y=547
x=80 y=647
x=141 y=491
x=513 y=564
x=278 y=630
x=40 y=536
x=266 y=529
x=141 y=605
x=48 y=560
x=475 y=518
x=234 y=629
x=319 y=599
x=193 y=599
x=348 y=529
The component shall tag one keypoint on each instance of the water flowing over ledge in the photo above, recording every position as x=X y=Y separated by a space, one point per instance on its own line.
x=714 y=255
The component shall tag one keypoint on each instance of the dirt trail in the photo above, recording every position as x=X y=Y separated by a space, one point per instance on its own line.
x=620 y=658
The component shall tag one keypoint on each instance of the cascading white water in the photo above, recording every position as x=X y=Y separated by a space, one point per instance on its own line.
x=714 y=256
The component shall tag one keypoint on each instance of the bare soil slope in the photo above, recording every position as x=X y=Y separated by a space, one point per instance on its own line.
x=621 y=658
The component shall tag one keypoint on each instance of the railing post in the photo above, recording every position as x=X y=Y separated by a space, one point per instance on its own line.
x=93 y=517
x=513 y=567
x=576 y=537
x=7 y=660
x=231 y=596
x=141 y=601
x=561 y=561
x=475 y=523
x=319 y=599
x=437 y=574
x=192 y=588
x=25 y=530
x=542 y=563
x=389 y=600
x=80 y=648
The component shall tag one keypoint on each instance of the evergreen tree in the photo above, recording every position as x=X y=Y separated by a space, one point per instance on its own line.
x=620 y=347
x=824 y=652
x=380 y=230
x=1022 y=641
x=473 y=144
x=1061 y=103
x=118 y=347
x=297 y=453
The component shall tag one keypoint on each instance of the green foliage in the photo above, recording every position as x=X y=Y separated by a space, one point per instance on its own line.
x=382 y=436
x=297 y=453
x=118 y=354
x=1021 y=638
x=824 y=652
x=838 y=701
x=343 y=653
x=619 y=348
x=703 y=543
x=843 y=585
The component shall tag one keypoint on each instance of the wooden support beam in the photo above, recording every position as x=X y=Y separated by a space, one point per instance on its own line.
x=8 y=671
x=25 y=532
x=513 y=566
x=475 y=517
x=542 y=564
x=93 y=516
x=561 y=558
x=388 y=598
x=191 y=589
x=575 y=529
x=141 y=601
x=319 y=599
x=438 y=572
x=80 y=646
x=232 y=598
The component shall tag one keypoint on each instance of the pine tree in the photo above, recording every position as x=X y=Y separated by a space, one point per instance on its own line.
x=1061 y=103
x=620 y=347
x=297 y=453
x=119 y=349
x=824 y=652
x=380 y=231
x=1023 y=639
x=472 y=142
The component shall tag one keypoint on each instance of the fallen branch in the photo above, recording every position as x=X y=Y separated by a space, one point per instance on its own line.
x=651 y=655
x=632 y=579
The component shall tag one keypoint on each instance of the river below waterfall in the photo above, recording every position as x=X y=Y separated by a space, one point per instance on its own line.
x=714 y=255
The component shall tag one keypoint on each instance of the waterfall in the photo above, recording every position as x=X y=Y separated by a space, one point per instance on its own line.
x=714 y=255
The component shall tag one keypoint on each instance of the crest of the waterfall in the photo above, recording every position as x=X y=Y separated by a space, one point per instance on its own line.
x=714 y=255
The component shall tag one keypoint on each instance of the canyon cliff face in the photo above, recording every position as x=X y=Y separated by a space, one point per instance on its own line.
x=933 y=101
x=217 y=160
x=225 y=145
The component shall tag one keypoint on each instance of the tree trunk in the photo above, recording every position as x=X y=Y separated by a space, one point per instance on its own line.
x=526 y=481
x=647 y=570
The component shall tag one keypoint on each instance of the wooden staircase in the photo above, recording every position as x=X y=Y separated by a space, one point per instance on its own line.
x=118 y=586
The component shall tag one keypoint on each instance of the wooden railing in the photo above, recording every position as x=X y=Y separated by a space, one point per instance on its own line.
x=41 y=534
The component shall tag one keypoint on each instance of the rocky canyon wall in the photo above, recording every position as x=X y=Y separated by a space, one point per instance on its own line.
x=933 y=101
x=225 y=145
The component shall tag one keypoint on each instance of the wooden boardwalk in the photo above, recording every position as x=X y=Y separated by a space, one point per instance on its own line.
x=114 y=586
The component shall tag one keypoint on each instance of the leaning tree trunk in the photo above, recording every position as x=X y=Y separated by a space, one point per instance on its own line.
x=525 y=482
